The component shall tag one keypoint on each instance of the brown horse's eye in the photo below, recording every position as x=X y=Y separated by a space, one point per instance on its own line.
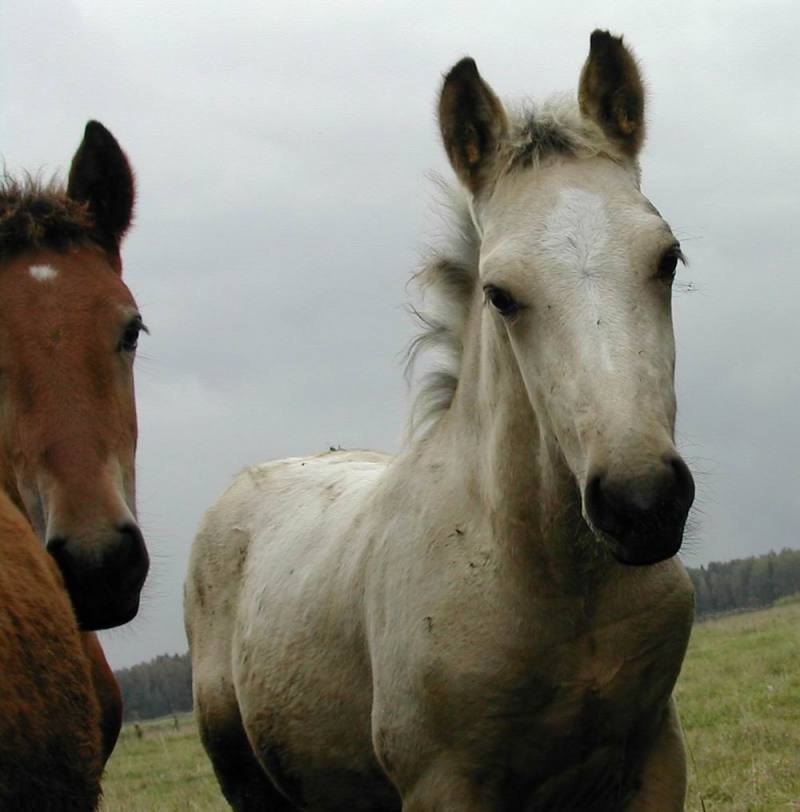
x=502 y=301
x=130 y=337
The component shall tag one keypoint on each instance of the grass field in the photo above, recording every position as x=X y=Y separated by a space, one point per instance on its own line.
x=739 y=697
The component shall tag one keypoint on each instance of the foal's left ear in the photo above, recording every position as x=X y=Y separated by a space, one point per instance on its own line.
x=101 y=176
x=473 y=124
x=611 y=92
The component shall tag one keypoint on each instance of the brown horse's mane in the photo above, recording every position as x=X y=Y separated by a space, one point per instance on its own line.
x=36 y=215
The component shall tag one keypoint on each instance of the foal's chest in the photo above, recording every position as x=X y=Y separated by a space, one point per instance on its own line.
x=602 y=702
x=570 y=702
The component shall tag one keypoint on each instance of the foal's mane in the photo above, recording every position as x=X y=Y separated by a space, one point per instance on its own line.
x=448 y=279
x=38 y=215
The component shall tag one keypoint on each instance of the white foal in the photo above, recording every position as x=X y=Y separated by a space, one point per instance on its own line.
x=494 y=619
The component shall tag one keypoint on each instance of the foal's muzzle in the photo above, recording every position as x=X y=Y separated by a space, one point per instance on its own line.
x=104 y=576
x=642 y=518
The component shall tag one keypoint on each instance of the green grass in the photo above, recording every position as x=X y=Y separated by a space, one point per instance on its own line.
x=739 y=698
x=165 y=769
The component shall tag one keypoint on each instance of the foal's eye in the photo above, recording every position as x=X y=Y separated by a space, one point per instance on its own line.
x=130 y=337
x=502 y=301
x=669 y=264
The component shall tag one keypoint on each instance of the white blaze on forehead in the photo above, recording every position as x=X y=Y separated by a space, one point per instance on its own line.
x=576 y=240
x=576 y=231
x=43 y=273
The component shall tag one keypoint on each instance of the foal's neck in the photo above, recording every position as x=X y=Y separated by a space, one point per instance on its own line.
x=507 y=457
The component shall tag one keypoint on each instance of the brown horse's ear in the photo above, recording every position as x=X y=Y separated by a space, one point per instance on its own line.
x=101 y=177
x=473 y=124
x=611 y=92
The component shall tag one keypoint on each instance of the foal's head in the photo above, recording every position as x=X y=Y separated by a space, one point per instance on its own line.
x=576 y=267
x=68 y=333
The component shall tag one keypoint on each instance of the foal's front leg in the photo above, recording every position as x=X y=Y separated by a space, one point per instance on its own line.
x=455 y=800
x=443 y=789
x=663 y=777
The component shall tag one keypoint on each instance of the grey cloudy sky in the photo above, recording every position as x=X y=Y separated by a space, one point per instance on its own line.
x=281 y=151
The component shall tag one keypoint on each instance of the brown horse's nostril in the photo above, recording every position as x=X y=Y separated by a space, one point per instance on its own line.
x=643 y=516
x=55 y=545
x=133 y=553
x=131 y=541
x=103 y=574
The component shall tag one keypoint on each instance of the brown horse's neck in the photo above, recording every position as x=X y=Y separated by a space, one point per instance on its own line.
x=105 y=684
x=109 y=694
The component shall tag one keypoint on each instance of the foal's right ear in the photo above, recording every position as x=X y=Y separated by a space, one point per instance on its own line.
x=101 y=177
x=473 y=124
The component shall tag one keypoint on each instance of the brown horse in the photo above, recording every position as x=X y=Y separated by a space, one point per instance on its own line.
x=107 y=691
x=51 y=750
x=68 y=333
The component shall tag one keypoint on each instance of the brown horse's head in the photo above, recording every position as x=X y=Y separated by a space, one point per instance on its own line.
x=68 y=333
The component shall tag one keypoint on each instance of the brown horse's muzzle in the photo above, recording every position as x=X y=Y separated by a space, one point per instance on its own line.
x=104 y=577
x=642 y=519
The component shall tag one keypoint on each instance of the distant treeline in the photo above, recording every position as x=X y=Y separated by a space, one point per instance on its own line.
x=164 y=685
x=156 y=688
x=746 y=583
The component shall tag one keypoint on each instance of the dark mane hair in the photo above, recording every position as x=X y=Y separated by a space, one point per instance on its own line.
x=37 y=215
x=555 y=128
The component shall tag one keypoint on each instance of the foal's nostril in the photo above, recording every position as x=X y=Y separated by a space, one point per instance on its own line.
x=684 y=482
x=643 y=515
x=605 y=509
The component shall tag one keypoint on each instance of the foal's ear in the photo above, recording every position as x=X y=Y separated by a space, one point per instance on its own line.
x=101 y=176
x=473 y=124
x=611 y=92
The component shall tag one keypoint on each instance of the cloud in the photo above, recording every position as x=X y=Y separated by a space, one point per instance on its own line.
x=281 y=153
